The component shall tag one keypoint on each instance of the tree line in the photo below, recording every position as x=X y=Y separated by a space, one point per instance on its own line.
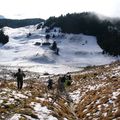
x=15 y=23
x=3 y=38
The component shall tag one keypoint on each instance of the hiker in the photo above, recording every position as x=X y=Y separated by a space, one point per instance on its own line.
x=61 y=81
x=61 y=88
x=50 y=83
x=68 y=80
x=19 y=75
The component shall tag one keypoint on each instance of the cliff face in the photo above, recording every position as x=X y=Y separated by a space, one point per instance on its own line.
x=93 y=94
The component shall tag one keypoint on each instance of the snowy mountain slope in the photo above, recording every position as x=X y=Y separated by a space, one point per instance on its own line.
x=76 y=51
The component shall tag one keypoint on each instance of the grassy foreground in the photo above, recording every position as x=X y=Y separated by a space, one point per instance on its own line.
x=93 y=95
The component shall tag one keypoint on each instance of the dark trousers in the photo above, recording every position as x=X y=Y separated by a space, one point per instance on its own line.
x=19 y=84
x=49 y=86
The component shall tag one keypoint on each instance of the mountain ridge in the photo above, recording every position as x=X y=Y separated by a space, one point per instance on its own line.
x=16 y=23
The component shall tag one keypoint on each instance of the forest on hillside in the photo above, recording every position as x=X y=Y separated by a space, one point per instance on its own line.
x=106 y=30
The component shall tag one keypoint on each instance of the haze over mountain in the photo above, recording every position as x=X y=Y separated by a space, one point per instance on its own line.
x=2 y=17
x=22 y=9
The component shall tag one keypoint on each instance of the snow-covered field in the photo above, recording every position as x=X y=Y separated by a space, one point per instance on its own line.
x=76 y=51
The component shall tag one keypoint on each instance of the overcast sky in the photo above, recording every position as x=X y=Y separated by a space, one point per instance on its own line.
x=46 y=8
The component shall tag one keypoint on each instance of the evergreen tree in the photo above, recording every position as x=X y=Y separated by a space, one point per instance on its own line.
x=3 y=38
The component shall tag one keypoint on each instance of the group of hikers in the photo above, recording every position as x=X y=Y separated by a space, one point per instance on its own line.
x=64 y=80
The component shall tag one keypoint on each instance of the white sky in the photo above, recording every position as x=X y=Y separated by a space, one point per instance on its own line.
x=46 y=8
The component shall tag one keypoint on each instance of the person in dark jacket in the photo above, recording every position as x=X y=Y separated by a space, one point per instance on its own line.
x=19 y=75
x=68 y=80
x=61 y=81
x=50 y=84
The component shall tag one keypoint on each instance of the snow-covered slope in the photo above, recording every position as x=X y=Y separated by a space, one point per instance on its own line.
x=76 y=51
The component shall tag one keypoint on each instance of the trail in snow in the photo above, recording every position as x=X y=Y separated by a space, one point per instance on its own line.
x=76 y=51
